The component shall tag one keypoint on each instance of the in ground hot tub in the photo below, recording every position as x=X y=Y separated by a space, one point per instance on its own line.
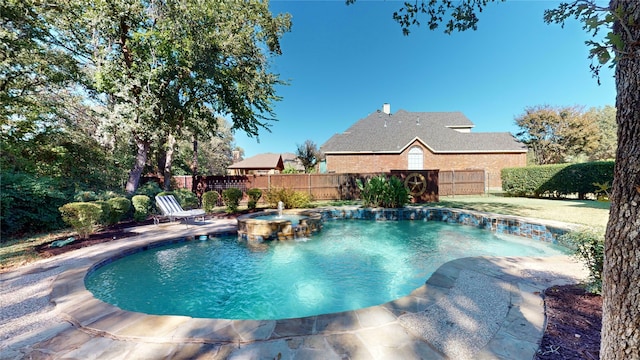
x=279 y=225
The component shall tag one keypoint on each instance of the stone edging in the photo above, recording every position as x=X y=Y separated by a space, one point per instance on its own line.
x=78 y=306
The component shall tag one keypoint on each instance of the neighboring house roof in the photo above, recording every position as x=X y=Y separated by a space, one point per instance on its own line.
x=260 y=162
x=292 y=159
x=393 y=133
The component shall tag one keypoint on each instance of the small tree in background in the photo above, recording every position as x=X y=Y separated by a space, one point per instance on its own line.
x=309 y=155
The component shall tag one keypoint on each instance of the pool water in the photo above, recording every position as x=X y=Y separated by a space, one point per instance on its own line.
x=350 y=265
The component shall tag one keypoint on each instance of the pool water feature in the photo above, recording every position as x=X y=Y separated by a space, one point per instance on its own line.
x=280 y=225
x=350 y=265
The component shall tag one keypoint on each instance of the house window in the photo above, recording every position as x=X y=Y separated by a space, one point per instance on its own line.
x=415 y=158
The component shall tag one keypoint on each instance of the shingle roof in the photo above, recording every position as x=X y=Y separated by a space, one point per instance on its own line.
x=260 y=161
x=380 y=132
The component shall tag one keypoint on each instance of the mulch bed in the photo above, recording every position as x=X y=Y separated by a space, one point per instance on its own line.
x=574 y=320
x=574 y=317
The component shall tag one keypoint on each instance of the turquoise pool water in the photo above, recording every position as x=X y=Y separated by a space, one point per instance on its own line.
x=349 y=265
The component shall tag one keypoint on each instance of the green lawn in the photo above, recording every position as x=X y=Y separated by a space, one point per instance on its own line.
x=584 y=212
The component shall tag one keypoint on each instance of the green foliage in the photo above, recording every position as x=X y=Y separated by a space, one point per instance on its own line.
x=231 y=198
x=254 y=195
x=380 y=191
x=588 y=246
x=289 y=169
x=209 y=201
x=187 y=199
x=120 y=206
x=29 y=204
x=557 y=180
x=290 y=198
x=555 y=134
x=82 y=216
x=85 y=196
x=150 y=189
x=397 y=195
x=141 y=206
x=106 y=212
x=602 y=191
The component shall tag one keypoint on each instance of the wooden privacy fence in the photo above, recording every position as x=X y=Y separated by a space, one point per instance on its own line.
x=330 y=186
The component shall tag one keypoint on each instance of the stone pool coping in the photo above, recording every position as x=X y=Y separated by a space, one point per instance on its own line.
x=522 y=325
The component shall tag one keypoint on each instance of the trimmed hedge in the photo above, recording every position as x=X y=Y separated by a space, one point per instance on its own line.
x=120 y=206
x=557 y=180
x=254 y=195
x=82 y=216
x=231 y=198
x=209 y=201
x=141 y=207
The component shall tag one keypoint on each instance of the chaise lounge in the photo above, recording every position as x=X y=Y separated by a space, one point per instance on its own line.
x=170 y=208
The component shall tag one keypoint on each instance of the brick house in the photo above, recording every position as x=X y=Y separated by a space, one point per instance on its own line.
x=404 y=140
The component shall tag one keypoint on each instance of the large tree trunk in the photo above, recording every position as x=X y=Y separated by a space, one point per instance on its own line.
x=138 y=165
x=168 y=161
x=621 y=284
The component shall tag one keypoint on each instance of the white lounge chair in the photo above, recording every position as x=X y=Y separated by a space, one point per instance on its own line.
x=170 y=208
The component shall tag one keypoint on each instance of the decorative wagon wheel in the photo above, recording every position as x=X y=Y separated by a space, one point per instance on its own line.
x=416 y=184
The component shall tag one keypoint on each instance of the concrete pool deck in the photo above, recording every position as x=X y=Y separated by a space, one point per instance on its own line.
x=471 y=308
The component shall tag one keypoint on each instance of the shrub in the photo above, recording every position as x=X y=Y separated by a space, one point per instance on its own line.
x=588 y=247
x=187 y=198
x=557 y=180
x=82 y=216
x=254 y=195
x=150 y=188
x=231 y=198
x=290 y=198
x=120 y=206
x=209 y=201
x=380 y=191
x=85 y=196
x=29 y=204
x=106 y=212
x=141 y=206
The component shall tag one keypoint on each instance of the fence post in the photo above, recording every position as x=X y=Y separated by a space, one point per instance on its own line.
x=309 y=184
x=453 y=183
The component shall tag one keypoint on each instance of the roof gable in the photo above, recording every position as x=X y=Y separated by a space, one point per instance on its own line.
x=392 y=133
x=265 y=161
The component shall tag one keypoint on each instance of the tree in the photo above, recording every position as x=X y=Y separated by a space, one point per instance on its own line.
x=605 y=118
x=308 y=154
x=621 y=47
x=556 y=134
x=169 y=68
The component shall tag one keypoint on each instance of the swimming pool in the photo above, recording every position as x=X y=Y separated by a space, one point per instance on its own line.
x=352 y=264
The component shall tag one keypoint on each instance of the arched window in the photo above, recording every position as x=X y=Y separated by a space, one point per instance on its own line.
x=415 y=158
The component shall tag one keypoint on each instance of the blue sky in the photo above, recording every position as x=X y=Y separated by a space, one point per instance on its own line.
x=344 y=62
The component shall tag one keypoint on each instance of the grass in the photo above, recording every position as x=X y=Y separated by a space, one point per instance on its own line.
x=583 y=212
x=595 y=214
